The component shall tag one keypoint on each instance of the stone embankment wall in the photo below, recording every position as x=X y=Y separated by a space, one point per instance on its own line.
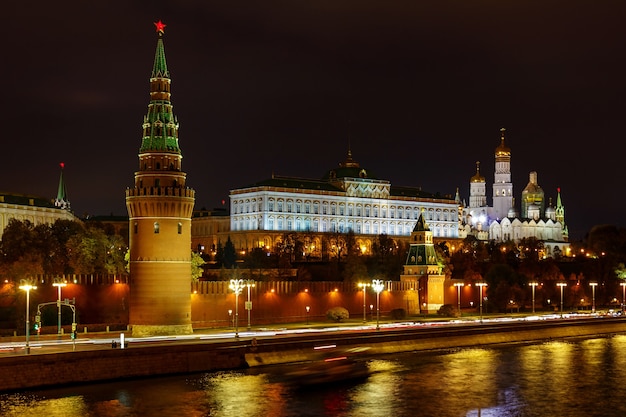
x=38 y=370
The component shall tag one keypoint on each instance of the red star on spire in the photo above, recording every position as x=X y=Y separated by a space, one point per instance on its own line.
x=160 y=27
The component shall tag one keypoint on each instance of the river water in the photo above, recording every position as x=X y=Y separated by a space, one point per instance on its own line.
x=558 y=378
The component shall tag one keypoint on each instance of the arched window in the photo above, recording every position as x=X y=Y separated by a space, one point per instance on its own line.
x=156 y=227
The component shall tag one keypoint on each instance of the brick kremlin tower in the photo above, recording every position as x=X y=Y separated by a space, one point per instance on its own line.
x=160 y=207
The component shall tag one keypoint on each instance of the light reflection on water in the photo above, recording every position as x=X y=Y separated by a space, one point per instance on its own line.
x=574 y=378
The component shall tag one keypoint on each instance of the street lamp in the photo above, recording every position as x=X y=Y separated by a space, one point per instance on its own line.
x=308 y=308
x=458 y=286
x=249 y=283
x=623 y=284
x=532 y=286
x=27 y=288
x=364 y=286
x=59 y=285
x=378 y=286
x=480 y=286
x=237 y=286
x=593 y=286
x=561 y=284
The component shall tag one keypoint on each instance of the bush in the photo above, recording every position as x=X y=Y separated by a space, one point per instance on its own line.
x=448 y=310
x=398 y=314
x=337 y=314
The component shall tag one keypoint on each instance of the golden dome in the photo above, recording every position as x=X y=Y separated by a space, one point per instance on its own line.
x=477 y=177
x=503 y=150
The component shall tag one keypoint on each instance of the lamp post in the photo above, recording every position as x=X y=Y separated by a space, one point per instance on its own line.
x=249 y=283
x=308 y=308
x=480 y=286
x=237 y=286
x=623 y=284
x=593 y=286
x=458 y=286
x=364 y=286
x=59 y=285
x=532 y=286
x=561 y=285
x=378 y=286
x=27 y=288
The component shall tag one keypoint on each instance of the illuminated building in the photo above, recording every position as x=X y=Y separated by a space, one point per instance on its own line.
x=160 y=207
x=347 y=198
x=423 y=268
x=37 y=210
x=502 y=222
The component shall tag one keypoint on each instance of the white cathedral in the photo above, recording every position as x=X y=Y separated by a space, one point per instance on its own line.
x=502 y=222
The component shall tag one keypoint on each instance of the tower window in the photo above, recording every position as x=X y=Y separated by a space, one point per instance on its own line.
x=180 y=228
x=135 y=228
x=156 y=227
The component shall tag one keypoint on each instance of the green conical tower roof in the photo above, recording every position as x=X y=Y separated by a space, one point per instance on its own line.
x=159 y=70
x=61 y=201
x=421 y=225
x=160 y=126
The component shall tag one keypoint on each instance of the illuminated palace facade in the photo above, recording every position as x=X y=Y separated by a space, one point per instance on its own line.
x=347 y=198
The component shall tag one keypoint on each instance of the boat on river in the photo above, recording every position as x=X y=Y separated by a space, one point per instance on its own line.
x=330 y=365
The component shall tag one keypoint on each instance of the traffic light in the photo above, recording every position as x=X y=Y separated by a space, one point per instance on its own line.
x=74 y=331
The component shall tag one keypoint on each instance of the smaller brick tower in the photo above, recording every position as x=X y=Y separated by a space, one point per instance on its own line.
x=160 y=207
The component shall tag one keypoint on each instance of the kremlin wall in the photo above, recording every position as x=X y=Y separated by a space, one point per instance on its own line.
x=104 y=301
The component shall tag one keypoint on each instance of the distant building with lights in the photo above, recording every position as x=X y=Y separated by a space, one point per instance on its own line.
x=346 y=198
x=35 y=209
x=502 y=221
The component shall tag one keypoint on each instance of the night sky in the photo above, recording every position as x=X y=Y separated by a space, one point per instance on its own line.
x=418 y=89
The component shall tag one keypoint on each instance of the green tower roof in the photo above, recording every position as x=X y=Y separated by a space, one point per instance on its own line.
x=159 y=70
x=160 y=126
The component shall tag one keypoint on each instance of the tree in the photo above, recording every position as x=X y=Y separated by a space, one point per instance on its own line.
x=21 y=254
x=504 y=285
x=196 y=266
x=230 y=254
x=383 y=247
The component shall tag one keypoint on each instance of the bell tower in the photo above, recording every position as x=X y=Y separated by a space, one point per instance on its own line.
x=160 y=206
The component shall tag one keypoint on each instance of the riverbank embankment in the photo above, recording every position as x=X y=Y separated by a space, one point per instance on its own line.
x=19 y=372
